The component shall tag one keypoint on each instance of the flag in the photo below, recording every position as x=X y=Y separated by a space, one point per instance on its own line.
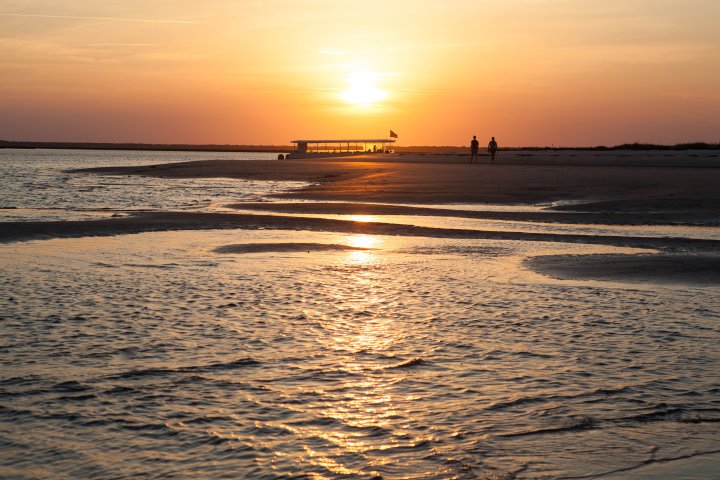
x=393 y=134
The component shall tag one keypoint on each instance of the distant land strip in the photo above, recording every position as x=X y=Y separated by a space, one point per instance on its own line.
x=447 y=149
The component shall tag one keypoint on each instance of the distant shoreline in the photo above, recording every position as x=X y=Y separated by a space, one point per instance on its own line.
x=145 y=147
x=427 y=149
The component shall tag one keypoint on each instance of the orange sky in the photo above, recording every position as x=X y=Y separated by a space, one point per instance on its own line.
x=530 y=72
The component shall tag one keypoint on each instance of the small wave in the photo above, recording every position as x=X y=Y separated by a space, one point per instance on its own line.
x=167 y=266
x=407 y=364
x=526 y=354
x=6 y=411
x=76 y=398
x=495 y=354
x=319 y=421
x=701 y=420
x=676 y=413
x=240 y=362
x=71 y=386
x=24 y=380
x=148 y=372
x=151 y=372
x=268 y=430
x=515 y=402
x=569 y=425
x=399 y=449
x=208 y=419
x=155 y=430
x=661 y=414
x=121 y=391
x=611 y=391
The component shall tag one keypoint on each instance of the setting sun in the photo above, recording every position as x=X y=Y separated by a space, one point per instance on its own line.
x=362 y=89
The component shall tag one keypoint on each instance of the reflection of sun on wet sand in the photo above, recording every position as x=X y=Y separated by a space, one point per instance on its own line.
x=284 y=247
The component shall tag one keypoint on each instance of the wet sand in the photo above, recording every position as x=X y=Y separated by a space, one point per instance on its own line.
x=169 y=221
x=639 y=183
x=531 y=214
x=686 y=269
x=693 y=467
x=607 y=188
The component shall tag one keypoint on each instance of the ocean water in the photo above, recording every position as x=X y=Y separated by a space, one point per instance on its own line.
x=156 y=356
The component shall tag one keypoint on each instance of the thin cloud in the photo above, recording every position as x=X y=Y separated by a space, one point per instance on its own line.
x=114 y=19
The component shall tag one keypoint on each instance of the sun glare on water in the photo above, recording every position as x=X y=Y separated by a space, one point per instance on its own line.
x=363 y=90
x=362 y=218
x=363 y=241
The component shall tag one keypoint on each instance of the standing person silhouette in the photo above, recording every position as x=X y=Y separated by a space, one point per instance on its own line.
x=474 y=147
x=492 y=149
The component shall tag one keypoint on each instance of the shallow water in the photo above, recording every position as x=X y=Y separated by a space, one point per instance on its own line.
x=34 y=184
x=439 y=221
x=153 y=355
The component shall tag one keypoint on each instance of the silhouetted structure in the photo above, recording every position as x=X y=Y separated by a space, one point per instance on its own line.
x=315 y=147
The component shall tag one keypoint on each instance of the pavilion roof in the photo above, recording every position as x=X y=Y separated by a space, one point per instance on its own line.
x=352 y=140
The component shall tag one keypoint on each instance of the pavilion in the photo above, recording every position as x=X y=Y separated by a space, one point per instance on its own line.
x=363 y=145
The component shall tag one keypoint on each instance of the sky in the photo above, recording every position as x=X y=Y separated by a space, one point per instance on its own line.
x=529 y=72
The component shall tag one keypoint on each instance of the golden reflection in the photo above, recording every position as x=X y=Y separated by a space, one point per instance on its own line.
x=362 y=241
x=363 y=218
x=361 y=331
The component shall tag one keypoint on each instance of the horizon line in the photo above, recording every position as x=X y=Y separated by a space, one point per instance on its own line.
x=206 y=146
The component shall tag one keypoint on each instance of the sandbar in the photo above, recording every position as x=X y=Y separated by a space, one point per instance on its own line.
x=640 y=268
x=680 y=186
x=532 y=214
x=169 y=221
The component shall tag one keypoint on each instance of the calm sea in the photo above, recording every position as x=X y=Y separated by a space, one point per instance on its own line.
x=154 y=356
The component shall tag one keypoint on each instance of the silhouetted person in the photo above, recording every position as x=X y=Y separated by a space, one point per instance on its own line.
x=492 y=149
x=474 y=147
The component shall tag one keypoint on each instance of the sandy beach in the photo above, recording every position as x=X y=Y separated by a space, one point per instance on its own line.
x=641 y=183
x=607 y=188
